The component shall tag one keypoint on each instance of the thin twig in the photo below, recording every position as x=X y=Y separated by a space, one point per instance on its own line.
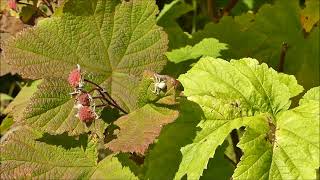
x=103 y=93
x=102 y=105
x=102 y=90
x=49 y=5
x=229 y=6
x=212 y=11
x=109 y=102
x=235 y=141
x=283 y=53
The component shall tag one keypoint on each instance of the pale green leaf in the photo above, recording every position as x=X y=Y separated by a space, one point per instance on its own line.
x=139 y=128
x=6 y=123
x=231 y=94
x=256 y=88
x=207 y=47
x=26 y=153
x=312 y=95
x=5 y=97
x=113 y=41
x=213 y=133
x=111 y=168
x=289 y=150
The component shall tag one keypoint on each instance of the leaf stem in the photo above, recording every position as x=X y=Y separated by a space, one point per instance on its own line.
x=194 y=18
x=283 y=53
x=106 y=96
x=229 y=6
x=212 y=10
x=49 y=5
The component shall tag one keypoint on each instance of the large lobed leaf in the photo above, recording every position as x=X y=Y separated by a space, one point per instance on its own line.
x=140 y=128
x=113 y=41
x=24 y=155
x=294 y=152
x=231 y=94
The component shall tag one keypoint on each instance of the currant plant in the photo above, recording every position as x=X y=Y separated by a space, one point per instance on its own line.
x=102 y=106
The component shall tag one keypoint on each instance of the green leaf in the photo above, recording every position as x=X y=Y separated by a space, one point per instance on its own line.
x=281 y=23
x=233 y=33
x=172 y=138
x=262 y=39
x=231 y=94
x=27 y=12
x=256 y=88
x=213 y=133
x=310 y=14
x=140 y=128
x=292 y=150
x=113 y=41
x=218 y=167
x=23 y=155
x=6 y=124
x=17 y=107
x=207 y=47
x=167 y=19
x=52 y=110
x=312 y=95
x=5 y=97
x=111 y=168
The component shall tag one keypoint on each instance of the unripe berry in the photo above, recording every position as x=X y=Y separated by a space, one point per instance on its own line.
x=84 y=99
x=86 y=114
x=75 y=78
x=12 y=4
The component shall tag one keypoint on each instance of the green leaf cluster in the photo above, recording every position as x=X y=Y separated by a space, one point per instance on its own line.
x=239 y=75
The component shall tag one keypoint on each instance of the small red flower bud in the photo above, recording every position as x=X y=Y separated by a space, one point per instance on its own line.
x=75 y=78
x=84 y=99
x=12 y=4
x=86 y=114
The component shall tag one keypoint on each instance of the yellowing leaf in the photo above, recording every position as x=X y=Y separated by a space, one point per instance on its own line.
x=140 y=128
x=310 y=14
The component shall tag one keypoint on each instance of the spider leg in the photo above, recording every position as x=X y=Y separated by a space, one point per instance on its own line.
x=155 y=88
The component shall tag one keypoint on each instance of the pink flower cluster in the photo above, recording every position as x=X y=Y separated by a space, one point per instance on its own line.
x=12 y=4
x=86 y=109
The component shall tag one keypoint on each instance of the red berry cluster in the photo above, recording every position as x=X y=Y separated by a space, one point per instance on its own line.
x=12 y=4
x=84 y=101
x=86 y=110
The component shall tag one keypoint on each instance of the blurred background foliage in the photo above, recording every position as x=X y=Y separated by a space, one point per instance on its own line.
x=269 y=30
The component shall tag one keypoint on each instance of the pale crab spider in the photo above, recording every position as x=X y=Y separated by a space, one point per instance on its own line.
x=159 y=84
